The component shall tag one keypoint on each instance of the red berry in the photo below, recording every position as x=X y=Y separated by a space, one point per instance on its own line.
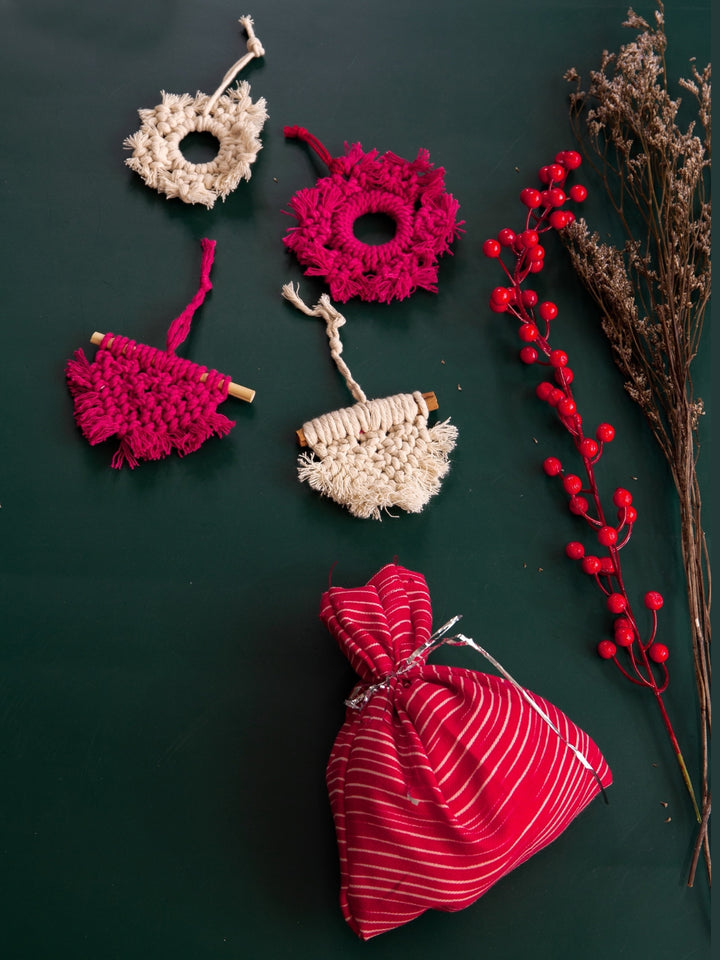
x=500 y=295
x=605 y=432
x=529 y=298
x=607 y=567
x=555 y=397
x=497 y=307
x=491 y=248
x=622 y=623
x=506 y=237
x=567 y=407
x=578 y=506
x=578 y=192
x=530 y=197
x=627 y=514
x=544 y=175
x=564 y=375
x=557 y=171
x=653 y=600
x=528 y=355
x=547 y=310
x=529 y=238
x=575 y=550
x=535 y=265
x=558 y=219
x=606 y=649
x=622 y=497
x=572 y=484
x=569 y=217
x=528 y=332
x=591 y=565
x=624 y=636
x=543 y=390
x=558 y=358
x=536 y=253
x=571 y=159
x=658 y=653
x=557 y=196
x=588 y=447
x=607 y=536
x=616 y=603
x=552 y=466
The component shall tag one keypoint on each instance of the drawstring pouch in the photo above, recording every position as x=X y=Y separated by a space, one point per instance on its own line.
x=441 y=779
x=151 y=400
x=411 y=193
x=231 y=118
x=376 y=454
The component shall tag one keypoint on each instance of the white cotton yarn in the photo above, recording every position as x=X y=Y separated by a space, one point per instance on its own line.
x=377 y=454
x=232 y=118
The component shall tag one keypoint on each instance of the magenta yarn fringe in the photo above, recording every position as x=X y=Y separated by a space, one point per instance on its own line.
x=101 y=416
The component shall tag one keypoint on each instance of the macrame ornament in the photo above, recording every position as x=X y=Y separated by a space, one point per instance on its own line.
x=376 y=454
x=442 y=779
x=410 y=193
x=153 y=401
x=232 y=118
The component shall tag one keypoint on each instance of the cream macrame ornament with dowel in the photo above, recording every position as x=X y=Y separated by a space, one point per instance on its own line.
x=376 y=454
x=231 y=118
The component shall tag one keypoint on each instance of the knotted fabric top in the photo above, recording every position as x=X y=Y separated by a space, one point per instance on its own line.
x=152 y=400
x=441 y=779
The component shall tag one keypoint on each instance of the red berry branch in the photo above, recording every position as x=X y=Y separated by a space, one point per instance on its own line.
x=641 y=659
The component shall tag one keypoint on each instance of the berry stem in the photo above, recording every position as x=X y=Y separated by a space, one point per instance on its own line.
x=543 y=215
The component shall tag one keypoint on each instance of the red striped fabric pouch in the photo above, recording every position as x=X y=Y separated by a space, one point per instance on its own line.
x=441 y=779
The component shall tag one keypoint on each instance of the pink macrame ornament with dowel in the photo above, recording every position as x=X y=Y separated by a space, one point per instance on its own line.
x=411 y=193
x=153 y=401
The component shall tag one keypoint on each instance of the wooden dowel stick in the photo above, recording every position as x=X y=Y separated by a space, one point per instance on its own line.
x=429 y=398
x=234 y=389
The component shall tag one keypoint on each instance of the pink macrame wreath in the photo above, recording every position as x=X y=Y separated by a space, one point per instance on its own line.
x=412 y=194
x=151 y=400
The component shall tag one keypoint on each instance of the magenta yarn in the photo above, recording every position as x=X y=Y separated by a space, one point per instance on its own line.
x=153 y=401
x=412 y=194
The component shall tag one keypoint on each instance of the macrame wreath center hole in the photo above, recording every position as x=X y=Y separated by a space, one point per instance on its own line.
x=375 y=229
x=199 y=147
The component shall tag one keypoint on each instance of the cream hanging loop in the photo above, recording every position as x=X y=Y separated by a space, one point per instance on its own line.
x=333 y=321
x=255 y=49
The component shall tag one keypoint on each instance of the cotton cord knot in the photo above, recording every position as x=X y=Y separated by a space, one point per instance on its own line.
x=334 y=321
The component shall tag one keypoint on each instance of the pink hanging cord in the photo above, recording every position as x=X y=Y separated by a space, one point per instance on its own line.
x=300 y=133
x=180 y=327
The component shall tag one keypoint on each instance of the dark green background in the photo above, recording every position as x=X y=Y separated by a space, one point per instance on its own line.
x=169 y=696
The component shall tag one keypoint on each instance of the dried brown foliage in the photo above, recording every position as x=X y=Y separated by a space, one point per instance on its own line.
x=653 y=290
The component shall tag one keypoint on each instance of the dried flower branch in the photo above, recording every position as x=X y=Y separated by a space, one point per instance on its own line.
x=654 y=290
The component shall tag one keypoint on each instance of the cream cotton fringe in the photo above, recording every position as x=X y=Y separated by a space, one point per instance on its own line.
x=376 y=454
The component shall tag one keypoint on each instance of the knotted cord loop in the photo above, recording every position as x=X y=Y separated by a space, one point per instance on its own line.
x=333 y=320
x=255 y=49
x=300 y=133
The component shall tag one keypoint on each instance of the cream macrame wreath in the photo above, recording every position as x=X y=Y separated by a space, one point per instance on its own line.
x=377 y=454
x=232 y=118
